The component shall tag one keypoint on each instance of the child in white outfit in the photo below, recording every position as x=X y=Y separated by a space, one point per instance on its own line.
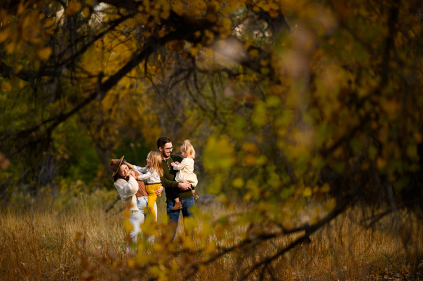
x=186 y=167
x=151 y=173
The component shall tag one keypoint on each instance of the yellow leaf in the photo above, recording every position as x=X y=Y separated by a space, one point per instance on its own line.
x=315 y=220
x=265 y=70
x=249 y=160
x=10 y=48
x=253 y=53
x=165 y=6
x=274 y=6
x=307 y=192
x=49 y=22
x=73 y=7
x=86 y=12
x=261 y=160
x=226 y=23
x=165 y=15
x=141 y=18
x=264 y=62
x=4 y=34
x=4 y=17
x=130 y=263
x=189 y=244
x=162 y=33
x=128 y=226
x=250 y=147
x=273 y=14
x=238 y=182
x=178 y=8
x=211 y=17
x=266 y=7
x=247 y=196
x=381 y=163
x=142 y=259
x=21 y=7
x=210 y=247
x=126 y=212
x=330 y=205
x=325 y=187
x=193 y=51
x=391 y=107
x=44 y=53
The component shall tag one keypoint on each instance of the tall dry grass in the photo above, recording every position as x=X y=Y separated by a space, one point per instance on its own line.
x=41 y=243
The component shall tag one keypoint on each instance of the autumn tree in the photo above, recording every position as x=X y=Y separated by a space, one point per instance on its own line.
x=286 y=100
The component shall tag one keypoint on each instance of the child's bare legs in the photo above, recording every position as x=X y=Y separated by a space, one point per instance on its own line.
x=177 y=205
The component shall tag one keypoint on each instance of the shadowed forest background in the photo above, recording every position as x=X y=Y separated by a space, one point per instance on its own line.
x=306 y=116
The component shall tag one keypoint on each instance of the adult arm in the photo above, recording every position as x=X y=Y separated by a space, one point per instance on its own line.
x=174 y=184
x=125 y=188
x=168 y=183
x=177 y=158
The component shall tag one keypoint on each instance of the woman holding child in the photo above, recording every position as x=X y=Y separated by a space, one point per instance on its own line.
x=133 y=192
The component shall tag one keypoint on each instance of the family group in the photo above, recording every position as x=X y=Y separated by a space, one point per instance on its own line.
x=139 y=187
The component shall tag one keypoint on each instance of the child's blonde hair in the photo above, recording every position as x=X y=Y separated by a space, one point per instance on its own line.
x=155 y=162
x=188 y=148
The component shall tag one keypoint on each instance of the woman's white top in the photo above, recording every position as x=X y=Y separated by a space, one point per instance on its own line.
x=186 y=172
x=149 y=176
x=127 y=191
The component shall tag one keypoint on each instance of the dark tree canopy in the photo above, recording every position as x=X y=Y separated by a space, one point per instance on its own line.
x=284 y=100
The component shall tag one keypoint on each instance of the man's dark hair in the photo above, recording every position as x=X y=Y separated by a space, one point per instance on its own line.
x=162 y=141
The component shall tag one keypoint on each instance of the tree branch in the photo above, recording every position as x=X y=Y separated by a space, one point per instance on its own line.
x=7 y=72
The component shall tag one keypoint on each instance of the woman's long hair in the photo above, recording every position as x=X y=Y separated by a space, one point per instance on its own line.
x=155 y=162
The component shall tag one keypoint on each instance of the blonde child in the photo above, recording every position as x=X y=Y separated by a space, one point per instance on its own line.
x=186 y=167
x=151 y=173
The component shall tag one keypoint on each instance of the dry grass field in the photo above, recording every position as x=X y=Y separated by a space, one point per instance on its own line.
x=42 y=243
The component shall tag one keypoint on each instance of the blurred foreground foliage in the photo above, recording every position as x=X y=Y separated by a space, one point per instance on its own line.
x=285 y=102
x=82 y=242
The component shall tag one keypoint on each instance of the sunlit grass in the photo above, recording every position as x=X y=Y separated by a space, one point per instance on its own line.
x=42 y=243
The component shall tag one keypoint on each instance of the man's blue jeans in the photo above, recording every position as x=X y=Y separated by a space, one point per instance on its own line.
x=174 y=215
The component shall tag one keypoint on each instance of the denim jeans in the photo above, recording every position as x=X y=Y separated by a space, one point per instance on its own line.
x=174 y=214
x=137 y=218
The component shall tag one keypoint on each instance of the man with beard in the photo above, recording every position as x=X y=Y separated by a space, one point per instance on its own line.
x=173 y=188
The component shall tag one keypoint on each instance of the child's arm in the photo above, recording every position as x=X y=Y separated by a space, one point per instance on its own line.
x=145 y=176
x=180 y=166
x=139 y=169
x=135 y=168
